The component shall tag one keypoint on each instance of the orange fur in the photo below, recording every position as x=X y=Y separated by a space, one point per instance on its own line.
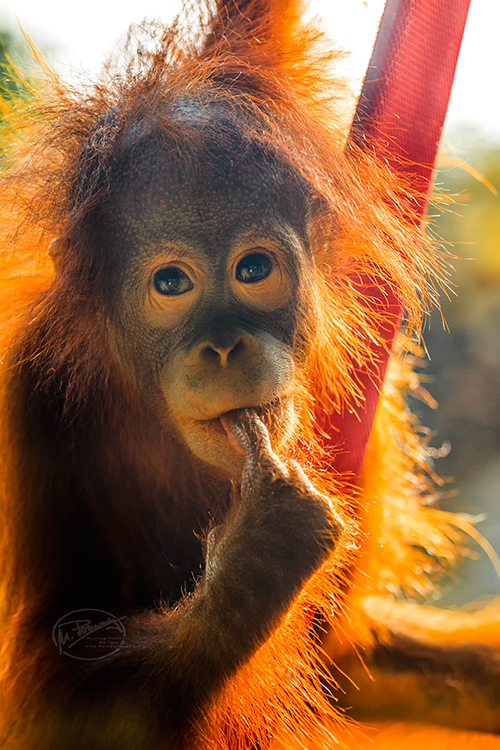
x=396 y=543
x=405 y=736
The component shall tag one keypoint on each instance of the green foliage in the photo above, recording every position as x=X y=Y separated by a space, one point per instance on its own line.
x=16 y=70
x=474 y=225
x=12 y=54
x=464 y=367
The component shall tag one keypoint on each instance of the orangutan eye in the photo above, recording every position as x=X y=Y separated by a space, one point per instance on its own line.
x=172 y=280
x=253 y=268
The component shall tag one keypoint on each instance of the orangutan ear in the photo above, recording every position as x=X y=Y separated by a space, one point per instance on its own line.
x=56 y=252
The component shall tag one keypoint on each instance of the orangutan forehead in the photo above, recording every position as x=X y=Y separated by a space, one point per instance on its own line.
x=200 y=171
x=161 y=196
x=156 y=198
x=204 y=144
x=210 y=224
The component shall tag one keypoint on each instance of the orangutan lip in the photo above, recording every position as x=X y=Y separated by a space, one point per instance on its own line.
x=217 y=423
x=214 y=424
x=236 y=415
x=267 y=413
x=263 y=411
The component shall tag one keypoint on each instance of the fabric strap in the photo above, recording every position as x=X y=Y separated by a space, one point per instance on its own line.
x=400 y=116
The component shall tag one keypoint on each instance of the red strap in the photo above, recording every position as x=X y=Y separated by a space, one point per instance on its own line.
x=400 y=115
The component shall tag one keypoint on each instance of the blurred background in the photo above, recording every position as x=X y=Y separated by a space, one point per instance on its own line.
x=463 y=370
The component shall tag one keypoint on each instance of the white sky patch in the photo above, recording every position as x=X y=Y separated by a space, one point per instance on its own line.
x=81 y=35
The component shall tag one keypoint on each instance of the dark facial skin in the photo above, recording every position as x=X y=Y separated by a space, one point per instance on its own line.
x=216 y=270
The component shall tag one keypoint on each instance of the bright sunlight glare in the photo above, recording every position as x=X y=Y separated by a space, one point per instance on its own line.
x=79 y=36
